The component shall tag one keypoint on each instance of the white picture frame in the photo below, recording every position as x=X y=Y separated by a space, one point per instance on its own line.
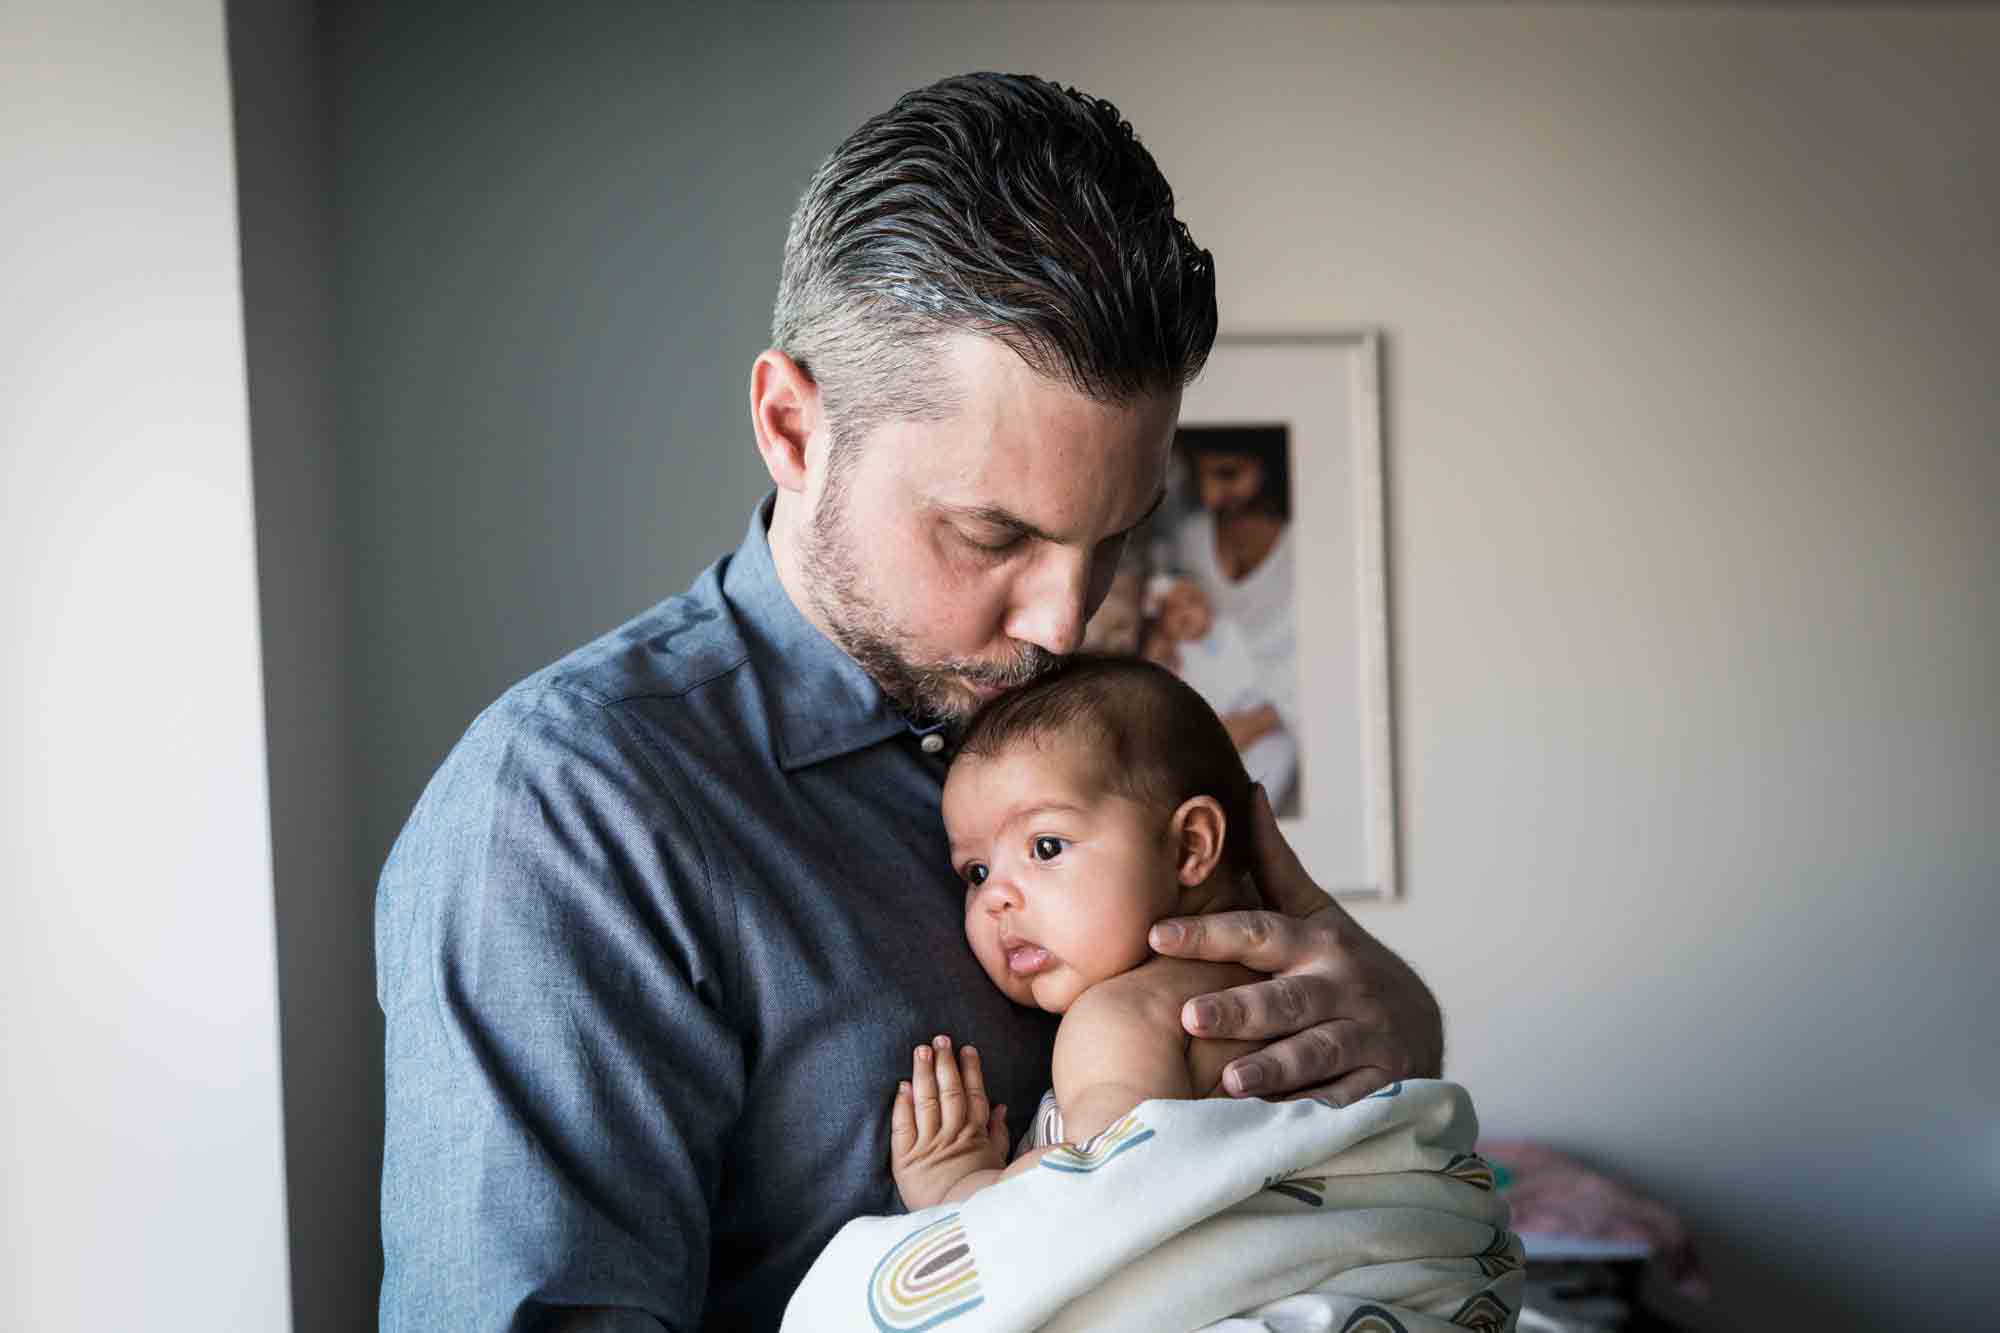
x=1326 y=388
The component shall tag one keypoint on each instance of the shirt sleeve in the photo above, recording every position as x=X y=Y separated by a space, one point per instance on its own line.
x=561 y=1071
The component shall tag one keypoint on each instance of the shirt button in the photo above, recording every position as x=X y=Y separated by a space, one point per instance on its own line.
x=932 y=743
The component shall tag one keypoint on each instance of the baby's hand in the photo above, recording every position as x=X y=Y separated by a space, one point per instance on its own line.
x=942 y=1129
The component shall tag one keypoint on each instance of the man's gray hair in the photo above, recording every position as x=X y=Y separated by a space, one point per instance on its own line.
x=1000 y=205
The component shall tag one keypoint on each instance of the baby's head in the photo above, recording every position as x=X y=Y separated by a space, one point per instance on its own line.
x=1082 y=809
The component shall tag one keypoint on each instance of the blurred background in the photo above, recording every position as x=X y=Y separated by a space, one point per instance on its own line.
x=358 y=360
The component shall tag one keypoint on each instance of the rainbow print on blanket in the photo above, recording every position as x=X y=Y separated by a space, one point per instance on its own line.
x=927 y=1279
x=1100 y=1148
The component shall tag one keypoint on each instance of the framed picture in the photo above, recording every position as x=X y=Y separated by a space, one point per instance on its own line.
x=1262 y=582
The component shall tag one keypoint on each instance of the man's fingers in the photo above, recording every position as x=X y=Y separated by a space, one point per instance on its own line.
x=1264 y=941
x=1324 y=1054
x=1349 y=1088
x=924 y=1091
x=1278 y=1007
x=951 y=1090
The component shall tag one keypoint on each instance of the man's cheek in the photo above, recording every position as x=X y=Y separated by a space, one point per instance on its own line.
x=960 y=615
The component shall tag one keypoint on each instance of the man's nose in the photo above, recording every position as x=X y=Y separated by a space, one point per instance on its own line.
x=1048 y=609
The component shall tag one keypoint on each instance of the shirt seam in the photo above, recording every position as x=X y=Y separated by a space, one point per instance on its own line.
x=573 y=686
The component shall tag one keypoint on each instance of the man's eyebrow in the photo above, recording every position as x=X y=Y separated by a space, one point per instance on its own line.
x=1001 y=518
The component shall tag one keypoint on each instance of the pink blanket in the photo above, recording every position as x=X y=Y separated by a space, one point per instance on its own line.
x=1554 y=1195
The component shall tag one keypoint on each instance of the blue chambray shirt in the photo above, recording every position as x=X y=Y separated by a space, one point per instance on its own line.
x=653 y=951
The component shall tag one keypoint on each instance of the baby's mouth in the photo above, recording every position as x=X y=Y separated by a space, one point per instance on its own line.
x=1024 y=957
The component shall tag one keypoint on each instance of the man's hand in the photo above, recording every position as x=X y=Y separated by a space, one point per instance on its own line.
x=942 y=1132
x=1350 y=1016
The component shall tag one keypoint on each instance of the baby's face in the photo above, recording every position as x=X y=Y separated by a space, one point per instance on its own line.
x=1063 y=877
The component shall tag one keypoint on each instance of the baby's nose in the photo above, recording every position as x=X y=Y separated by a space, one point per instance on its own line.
x=1001 y=896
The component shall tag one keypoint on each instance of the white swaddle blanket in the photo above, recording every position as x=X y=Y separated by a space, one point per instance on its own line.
x=1233 y=1215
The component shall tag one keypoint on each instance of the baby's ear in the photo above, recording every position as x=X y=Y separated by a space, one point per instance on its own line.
x=1198 y=829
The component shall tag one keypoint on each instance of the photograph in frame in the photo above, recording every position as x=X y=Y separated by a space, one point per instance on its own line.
x=1261 y=582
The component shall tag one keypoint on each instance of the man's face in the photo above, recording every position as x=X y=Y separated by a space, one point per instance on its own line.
x=957 y=559
x=1229 y=483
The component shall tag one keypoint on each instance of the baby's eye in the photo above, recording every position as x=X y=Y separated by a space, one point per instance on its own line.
x=975 y=873
x=1048 y=848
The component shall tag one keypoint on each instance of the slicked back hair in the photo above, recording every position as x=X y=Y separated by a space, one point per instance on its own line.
x=1000 y=205
x=1160 y=741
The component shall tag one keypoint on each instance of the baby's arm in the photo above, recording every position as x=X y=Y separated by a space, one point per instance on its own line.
x=1119 y=1044
x=945 y=1144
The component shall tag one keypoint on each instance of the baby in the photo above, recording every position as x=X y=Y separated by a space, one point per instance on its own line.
x=1082 y=809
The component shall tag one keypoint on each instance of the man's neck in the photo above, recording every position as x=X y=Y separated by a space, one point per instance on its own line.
x=784 y=533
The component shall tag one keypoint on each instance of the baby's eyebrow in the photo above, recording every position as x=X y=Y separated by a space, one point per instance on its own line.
x=1045 y=808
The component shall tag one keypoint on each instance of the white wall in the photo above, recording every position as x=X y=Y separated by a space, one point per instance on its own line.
x=1694 y=463
x=143 y=1182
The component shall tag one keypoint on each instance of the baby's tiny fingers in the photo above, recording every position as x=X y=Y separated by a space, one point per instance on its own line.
x=951 y=1089
x=975 y=1086
x=924 y=1088
x=903 y=1122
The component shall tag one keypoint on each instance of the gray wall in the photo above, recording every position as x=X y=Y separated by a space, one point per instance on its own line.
x=141 y=1169
x=331 y=1029
x=1690 y=315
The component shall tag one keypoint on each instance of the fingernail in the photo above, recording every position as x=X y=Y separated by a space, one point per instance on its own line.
x=1206 y=1012
x=941 y=1041
x=923 y=1052
x=968 y=1050
x=1167 y=936
x=1247 y=1079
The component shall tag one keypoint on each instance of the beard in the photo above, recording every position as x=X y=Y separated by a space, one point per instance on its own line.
x=927 y=691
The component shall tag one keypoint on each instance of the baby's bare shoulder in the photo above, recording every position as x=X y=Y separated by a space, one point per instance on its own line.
x=1155 y=990
x=1178 y=980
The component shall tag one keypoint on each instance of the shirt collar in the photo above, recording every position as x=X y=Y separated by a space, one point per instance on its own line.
x=820 y=701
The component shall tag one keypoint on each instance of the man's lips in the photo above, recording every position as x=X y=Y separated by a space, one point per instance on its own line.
x=1024 y=956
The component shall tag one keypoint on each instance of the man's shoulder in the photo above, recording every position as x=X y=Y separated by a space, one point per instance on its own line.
x=670 y=676
x=668 y=651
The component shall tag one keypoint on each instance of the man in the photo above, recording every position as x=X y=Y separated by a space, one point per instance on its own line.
x=665 y=926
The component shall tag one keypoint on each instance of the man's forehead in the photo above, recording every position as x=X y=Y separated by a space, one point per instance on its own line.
x=1039 y=452
x=1057 y=488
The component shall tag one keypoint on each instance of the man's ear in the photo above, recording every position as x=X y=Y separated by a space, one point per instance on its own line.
x=1197 y=830
x=785 y=412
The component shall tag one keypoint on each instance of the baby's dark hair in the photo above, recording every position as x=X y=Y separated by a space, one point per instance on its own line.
x=1161 y=741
